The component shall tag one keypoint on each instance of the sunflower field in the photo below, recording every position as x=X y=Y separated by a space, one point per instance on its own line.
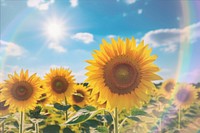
x=118 y=96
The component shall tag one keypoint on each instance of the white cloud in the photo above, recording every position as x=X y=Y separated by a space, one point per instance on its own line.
x=191 y=76
x=84 y=37
x=57 y=47
x=130 y=1
x=140 y=11
x=168 y=39
x=111 y=36
x=80 y=76
x=11 y=49
x=40 y=4
x=73 y=3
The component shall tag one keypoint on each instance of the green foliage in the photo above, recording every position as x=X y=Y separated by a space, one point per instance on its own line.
x=59 y=106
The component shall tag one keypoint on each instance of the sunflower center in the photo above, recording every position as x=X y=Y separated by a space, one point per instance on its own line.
x=59 y=84
x=183 y=95
x=121 y=75
x=78 y=96
x=169 y=87
x=2 y=106
x=22 y=90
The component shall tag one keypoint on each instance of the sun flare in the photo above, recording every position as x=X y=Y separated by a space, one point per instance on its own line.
x=55 y=29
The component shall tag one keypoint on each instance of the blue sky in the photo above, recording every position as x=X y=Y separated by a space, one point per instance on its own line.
x=26 y=41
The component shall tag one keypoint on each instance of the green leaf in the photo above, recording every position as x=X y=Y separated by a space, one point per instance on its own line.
x=102 y=129
x=90 y=108
x=190 y=115
x=61 y=107
x=134 y=118
x=136 y=112
x=81 y=116
x=75 y=107
x=163 y=100
x=51 y=129
x=67 y=130
x=108 y=118
x=93 y=123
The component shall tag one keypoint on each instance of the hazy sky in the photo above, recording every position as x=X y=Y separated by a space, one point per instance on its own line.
x=39 y=34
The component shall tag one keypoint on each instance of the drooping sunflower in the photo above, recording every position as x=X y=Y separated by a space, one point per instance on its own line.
x=21 y=91
x=121 y=73
x=93 y=101
x=80 y=96
x=167 y=88
x=184 y=95
x=59 y=83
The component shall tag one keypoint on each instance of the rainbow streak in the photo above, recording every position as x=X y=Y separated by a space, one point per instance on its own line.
x=10 y=33
x=184 y=62
x=185 y=52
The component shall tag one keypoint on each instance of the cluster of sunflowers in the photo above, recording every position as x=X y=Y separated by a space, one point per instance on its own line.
x=118 y=89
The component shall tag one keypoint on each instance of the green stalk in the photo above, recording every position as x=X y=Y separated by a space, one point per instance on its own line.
x=121 y=124
x=179 y=118
x=21 y=122
x=36 y=127
x=2 y=127
x=66 y=112
x=115 y=120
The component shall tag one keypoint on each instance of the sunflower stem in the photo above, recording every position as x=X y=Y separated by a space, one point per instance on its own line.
x=179 y=118
x=21 y=122
x=36 y=127
x=3 y=127
x=121 y=124
x=66 y=112
x=115 y=120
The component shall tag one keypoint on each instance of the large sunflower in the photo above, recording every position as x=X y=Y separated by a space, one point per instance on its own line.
x=167 y=88
x=21 y=91
x=80 y=96
x=184 y=95
x=121 y=73
x=59 y=83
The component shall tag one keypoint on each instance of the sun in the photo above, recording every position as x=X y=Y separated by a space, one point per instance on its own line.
x=55 y=29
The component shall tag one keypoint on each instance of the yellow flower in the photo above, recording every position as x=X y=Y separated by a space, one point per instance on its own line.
x=59 y=84
x=21 y=91
x=44 y=99
x=4 y=109
x=167 y=88
x=93 y=101
x=80 y=96
x=184 y=95
x=121 y=73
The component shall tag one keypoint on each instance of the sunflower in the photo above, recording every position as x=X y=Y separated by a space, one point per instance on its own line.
x=4 y=109
x=21 y=91
x=94 y=99
x=80 y=96
x=59 y=83
x=121 y=73
x=198 y=95
x=184 y=95
x=44 y=99
x=167 y=88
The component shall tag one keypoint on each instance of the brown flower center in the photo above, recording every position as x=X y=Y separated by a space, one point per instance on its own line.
x=2 y=106
x=59 y=84
x=78 y=96
x=183 y=95
x=169 y=87
x=22 y=90
x=121 y=75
